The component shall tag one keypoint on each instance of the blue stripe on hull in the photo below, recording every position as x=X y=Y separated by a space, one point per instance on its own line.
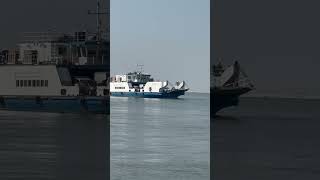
x=174 y=94
x=71 y=105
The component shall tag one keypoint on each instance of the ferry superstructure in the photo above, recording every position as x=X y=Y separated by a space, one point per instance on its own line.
x=56 y=72
x=138 y=84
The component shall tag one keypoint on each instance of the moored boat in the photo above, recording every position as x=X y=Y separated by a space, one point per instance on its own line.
x=227 y=84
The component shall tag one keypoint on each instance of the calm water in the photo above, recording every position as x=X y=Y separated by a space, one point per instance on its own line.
x=52 y=146
x=160 y=139
x=151 y=139
x=268 y=139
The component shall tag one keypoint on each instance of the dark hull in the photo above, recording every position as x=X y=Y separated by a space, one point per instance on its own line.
x=166 y=95
x=95 y=105
x=222 y=98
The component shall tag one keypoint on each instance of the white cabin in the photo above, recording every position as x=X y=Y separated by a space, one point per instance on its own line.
x=40 y=80
x=31 y=80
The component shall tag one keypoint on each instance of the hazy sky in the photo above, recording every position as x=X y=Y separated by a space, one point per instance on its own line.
x=17 y=16
x=278 y=43
x=171 y=38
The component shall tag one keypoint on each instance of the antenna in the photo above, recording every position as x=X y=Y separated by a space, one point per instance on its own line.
x=98 y=14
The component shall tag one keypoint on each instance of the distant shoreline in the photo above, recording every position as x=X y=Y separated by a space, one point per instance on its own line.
x=268 y=96
x=281 y=97
x=194 y=92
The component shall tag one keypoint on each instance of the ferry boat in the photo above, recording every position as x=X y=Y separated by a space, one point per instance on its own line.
x=56 y=72
x=227 y=84
x=138 y=84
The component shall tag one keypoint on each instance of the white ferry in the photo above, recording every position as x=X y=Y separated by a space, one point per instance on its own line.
x=138 y=84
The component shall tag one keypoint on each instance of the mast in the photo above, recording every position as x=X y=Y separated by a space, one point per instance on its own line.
x=98 y=14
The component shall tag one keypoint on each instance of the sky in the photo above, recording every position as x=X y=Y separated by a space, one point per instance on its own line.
x=171 y=38
x=17 y=16
x=277 y=42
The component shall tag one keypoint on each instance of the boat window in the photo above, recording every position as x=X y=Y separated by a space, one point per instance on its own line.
x=33 y=83
x=25 y=83
x=29 y=83
x=46 y=83
x=17 y=83
x=42 y=83
x=21 y=83
x=38 y=83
